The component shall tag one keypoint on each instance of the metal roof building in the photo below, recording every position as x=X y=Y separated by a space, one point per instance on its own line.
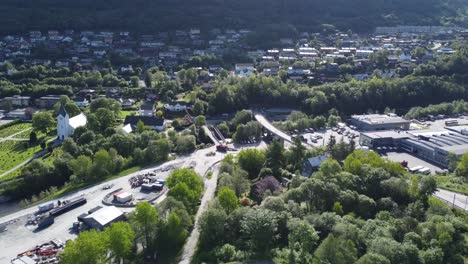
x=103 y=217
x=380 y=122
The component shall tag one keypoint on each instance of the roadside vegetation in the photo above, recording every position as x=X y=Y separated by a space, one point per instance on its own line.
x=363 y=209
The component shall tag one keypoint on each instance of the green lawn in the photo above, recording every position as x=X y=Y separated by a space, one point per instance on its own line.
x=125 y=113
x=25 y=134
x=15 y=129
x=452 y=183
x=13 y=153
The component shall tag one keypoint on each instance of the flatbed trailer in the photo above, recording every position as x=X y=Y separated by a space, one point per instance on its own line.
x=68 y=206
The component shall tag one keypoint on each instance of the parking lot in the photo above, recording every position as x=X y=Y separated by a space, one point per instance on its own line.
x=321 y=137
x=413 y=161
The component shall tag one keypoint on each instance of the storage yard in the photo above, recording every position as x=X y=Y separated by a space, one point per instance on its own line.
x=17 y=236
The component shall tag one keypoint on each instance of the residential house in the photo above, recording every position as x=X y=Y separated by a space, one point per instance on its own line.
x=47 y=101
x=127 y=102
x=81 y=101
x=22 y=113
x=146 y=109
x=155 y=123
x=244 y=69
x=177 y=106
x=311 y=165
x=18 y=101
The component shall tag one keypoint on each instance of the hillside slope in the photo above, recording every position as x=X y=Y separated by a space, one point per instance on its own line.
x=150 y=15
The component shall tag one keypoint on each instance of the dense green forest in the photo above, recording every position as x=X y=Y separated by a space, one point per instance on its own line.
x=150 y=15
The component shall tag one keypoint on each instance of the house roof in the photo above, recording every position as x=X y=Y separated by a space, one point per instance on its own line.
x=127 y=128
x=177 y=103
x=147 y=120
x=78 y=121
x=147 y=107
x=316 y=161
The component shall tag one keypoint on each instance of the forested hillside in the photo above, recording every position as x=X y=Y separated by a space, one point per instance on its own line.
x=150 y=15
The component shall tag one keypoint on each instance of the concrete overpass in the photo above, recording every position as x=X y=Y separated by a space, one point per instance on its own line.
x=268 y=126
x=215 y=135
x=212 y=137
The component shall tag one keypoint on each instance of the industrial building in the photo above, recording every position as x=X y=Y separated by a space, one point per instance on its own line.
x=102 y=217
x=379 y=122
x=433 y=146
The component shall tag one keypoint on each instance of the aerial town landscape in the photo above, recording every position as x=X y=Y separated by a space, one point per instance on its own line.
x=218 y=144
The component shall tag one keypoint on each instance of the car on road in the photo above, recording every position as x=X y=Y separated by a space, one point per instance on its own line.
x=107 y=186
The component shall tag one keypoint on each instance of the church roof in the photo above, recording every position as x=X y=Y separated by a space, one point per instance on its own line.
x=62 y=111
x=78 y=121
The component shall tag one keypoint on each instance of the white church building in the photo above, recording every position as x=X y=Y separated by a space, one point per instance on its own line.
x=66 y=126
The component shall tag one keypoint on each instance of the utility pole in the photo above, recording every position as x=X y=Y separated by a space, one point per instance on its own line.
x=453 y=204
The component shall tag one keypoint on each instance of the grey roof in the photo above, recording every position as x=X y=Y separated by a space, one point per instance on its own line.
x=457 y=149
x=385 y=134
x=316 y=161
x=62 y=111
x=147 y=120
x=379 y=119
x=147 y=107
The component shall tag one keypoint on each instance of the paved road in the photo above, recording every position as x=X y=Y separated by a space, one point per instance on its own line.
x=452 y=198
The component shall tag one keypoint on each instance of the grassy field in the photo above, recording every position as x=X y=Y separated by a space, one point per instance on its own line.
x=15 y=129
x=13 y=153
x=452 y=183
x=125 y=113
x=49 y=135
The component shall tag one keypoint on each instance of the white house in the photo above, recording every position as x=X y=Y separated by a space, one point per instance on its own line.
x=176 y=106
x=66 y=126
x=81 y=102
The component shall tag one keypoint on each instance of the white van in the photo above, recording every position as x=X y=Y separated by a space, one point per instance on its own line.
x=415 y=169
x=425 y=171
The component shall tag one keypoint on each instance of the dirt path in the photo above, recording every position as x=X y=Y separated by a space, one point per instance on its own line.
x=191 y=243
x=11 y=137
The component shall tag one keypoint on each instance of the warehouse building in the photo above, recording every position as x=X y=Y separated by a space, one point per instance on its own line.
x=379 y=122
x=387 y=138
x=103 y=217
x=434 y=146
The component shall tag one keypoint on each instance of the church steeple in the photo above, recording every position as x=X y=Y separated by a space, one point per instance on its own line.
x=62 y=111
